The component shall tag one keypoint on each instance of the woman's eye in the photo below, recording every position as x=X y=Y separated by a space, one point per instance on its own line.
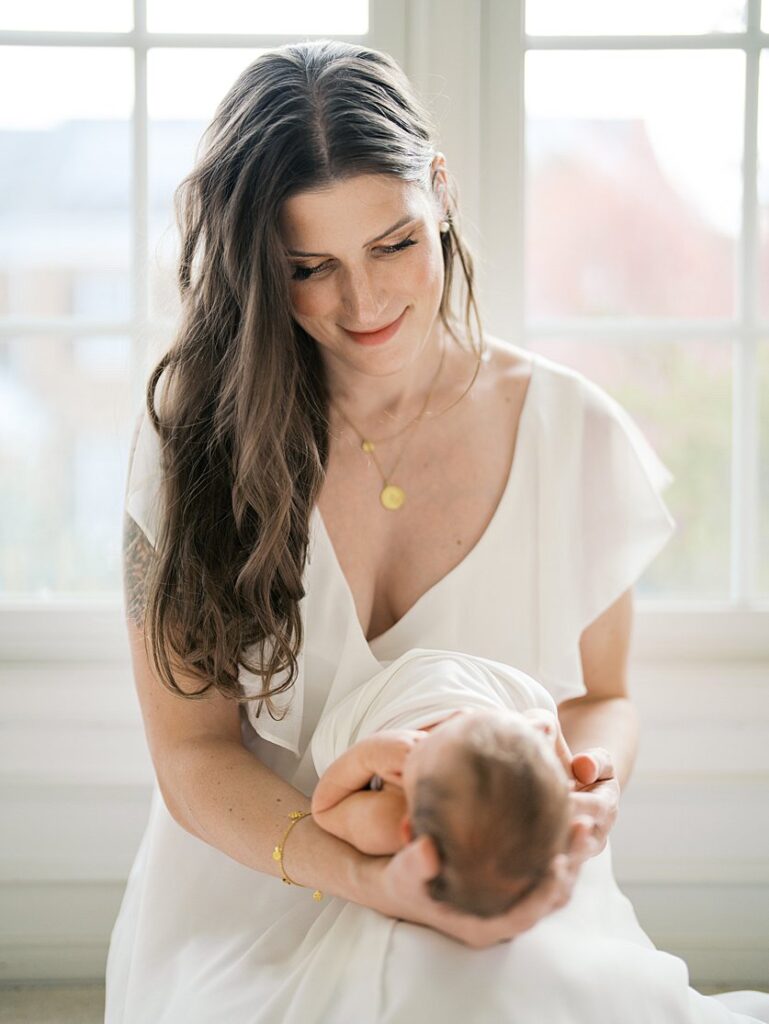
x=304 y=273
x=400 y=245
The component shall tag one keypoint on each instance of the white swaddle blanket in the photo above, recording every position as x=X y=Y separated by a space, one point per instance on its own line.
x=418 y=689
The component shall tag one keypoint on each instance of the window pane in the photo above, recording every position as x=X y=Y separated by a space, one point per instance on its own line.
x=763 y=487
x=679 y=393
x=65 y=166
x=653 y=17
x=763 y=182
x=177 y=119
x=633 y=185
x=73 y=16
x=341 y=17
x=66 y=419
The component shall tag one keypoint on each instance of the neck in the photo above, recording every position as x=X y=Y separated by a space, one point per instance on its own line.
x=389 y=400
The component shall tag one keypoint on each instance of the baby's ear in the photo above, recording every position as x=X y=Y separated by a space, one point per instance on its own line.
x=430 y=862
x=405 y=830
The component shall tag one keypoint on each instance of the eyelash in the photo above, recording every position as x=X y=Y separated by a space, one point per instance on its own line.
x=304 y=273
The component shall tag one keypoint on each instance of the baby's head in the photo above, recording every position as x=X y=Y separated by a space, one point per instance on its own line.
x=490 y=791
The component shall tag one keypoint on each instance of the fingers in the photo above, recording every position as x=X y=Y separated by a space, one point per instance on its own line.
x=600 y=801
x=587 y=838
x=592 y=765
x=598 y=807
x=553 y=893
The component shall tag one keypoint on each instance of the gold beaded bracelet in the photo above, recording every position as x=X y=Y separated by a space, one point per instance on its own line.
x=277 y=853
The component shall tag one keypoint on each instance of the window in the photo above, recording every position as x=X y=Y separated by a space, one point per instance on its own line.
x=646 y=262
x=644 y=252
x=101 y=107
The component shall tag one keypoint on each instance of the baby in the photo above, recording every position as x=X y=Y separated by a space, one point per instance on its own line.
x=487 y=782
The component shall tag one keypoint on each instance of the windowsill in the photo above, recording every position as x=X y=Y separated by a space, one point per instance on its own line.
x=93 y=629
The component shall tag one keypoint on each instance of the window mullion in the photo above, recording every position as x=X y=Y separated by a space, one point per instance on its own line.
x=745 y=427
x=139 y=227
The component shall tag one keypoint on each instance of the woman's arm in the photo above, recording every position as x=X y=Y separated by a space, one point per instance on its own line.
x=213 y=787
x=602 y=726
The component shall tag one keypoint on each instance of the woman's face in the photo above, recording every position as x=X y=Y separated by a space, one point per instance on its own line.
x=358 y=281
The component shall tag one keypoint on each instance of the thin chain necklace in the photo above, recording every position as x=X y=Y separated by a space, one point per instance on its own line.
x=392 y=496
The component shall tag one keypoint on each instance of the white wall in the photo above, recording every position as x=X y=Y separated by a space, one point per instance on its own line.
x=691 y=846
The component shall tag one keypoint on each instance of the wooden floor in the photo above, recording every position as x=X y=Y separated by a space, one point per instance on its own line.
x=56 y=1004
x=78 y=1004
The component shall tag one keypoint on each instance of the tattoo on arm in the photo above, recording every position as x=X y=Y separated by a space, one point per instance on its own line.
x=138 y=555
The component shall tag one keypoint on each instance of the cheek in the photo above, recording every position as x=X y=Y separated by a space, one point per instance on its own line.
x=426 y=273
x=310 y=301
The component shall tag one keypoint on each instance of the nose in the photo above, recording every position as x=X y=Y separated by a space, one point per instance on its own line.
x=364 y=304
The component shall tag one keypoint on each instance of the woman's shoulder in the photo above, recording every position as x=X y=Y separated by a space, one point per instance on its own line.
x=569 y=389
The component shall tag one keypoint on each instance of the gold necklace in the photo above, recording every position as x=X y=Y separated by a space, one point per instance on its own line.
x=392 y=496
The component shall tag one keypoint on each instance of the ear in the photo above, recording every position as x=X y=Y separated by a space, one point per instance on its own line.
x=428 y=863
x=439 y=180
x=404 y=830
x=542 y=719
x=439 y=163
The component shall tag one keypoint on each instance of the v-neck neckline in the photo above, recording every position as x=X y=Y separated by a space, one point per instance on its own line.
x=523 y=418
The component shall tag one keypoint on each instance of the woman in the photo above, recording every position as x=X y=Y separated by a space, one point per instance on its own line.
x=333 y=469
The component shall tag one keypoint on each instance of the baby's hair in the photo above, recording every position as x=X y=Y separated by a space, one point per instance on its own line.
x=497 y=817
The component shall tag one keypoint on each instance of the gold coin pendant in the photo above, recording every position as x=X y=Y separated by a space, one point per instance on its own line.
x=392 y=496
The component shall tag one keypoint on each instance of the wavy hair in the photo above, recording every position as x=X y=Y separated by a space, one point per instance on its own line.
x=241 y=395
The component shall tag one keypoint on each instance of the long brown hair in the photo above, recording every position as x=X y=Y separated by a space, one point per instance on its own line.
x=243 y=401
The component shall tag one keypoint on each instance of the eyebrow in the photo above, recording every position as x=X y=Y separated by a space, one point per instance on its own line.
x=399 y=224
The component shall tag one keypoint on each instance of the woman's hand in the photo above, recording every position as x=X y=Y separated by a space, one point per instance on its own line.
x=595 y=789
x=396 y=886
x=596 y=794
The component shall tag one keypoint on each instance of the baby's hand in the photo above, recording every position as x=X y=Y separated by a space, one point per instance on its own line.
x=390 y=748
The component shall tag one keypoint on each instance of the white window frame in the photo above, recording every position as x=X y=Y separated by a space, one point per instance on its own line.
x=736 y=629
x=466 y=57
x=81 y=629
x=744 y=328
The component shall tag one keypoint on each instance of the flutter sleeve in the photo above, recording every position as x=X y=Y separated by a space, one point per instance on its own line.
x=600 y=517
x=144 y=504
x=625 y=521
x=143 y=490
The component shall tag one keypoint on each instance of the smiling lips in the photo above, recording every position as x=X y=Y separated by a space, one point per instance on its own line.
x=376 y=337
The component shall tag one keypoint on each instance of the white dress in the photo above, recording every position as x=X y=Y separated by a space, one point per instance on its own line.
x=200 y=938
